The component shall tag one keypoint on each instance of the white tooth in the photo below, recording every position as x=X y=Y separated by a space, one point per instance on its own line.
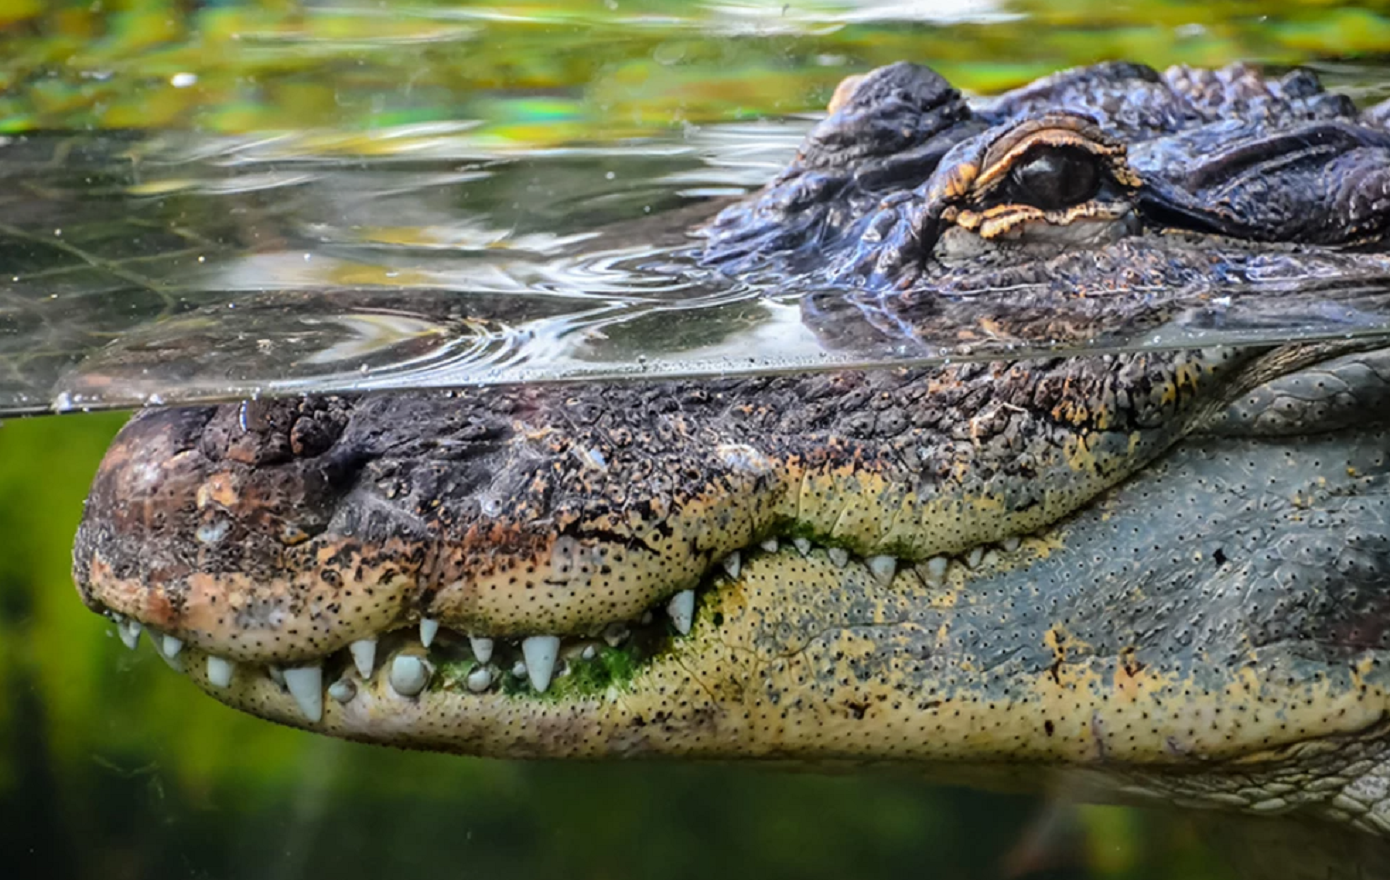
x=540 y=653
x=175 y=662
x=482 y=648
x=519 y=668
x=1011 y=543
x=974 y=557
x=936 y=568
x=770 y=545
x=480 y=679
x=363 y=656
x=429 y=628
x=276 y=675
x=883 y=567
x=342 y=690
x=130 y=632
x=803 y=545
x=839 y=556
x=306 y=686
x=682 y=610
x=732 y=563
x=171 y=646
x=220 y=671
x=589 y=652
x=409 y=675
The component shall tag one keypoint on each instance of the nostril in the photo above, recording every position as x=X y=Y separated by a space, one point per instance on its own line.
x=266 y=432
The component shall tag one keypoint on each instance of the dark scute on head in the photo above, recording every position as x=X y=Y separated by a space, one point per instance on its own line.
x=1239 y=92
x=1325 y=182
x=1135 y=102
x=1127 y=100
x=887 y=136
x=892 y=109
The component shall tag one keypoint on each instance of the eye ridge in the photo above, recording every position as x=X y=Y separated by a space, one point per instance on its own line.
x=1054 y=178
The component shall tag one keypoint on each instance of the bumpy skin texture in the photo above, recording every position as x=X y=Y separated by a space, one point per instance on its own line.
x=1161 y=573
x=1254 y=170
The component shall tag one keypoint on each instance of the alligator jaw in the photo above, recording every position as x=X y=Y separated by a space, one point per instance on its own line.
x=1139 y=644
x=1220 y=601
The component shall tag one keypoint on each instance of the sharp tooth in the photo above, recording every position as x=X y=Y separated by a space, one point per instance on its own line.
x=429 y=628
x=306 y=686
x=220 y=671
x=770 y=545
x=342 y=690
x=682 y=610
x=803 y=545
x=519 y=668
x=480 y=679
x=276 y=675
x=1011 y=543
x=883 y=567
x=839 y=556
x=482 y=648
x=409 y=675
x=130 y=632
x=732 y=563
x=589 y=652
x=936 y=568
x=171 y=646
x=540 y=653
x=973 y=558
x=363 y=656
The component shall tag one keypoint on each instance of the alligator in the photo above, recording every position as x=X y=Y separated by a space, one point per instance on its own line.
x=1156 y=574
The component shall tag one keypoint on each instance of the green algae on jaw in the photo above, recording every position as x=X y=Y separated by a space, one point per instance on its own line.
x=588 y=677
x=608 y=668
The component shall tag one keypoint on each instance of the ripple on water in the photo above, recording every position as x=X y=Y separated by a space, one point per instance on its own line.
x=235 y=268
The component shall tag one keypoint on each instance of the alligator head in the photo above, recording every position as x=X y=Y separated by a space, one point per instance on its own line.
x=1162 y=572
x=1102 y=197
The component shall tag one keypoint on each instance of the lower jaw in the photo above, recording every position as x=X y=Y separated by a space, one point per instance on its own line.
x=749 y=682
x=357 y=689
x=651 y=689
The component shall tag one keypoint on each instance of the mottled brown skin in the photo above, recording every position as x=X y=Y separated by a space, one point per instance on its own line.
x=1160 y=573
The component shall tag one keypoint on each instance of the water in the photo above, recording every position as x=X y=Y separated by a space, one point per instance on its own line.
x=265 y=198
x=204 y=268
x=183 y=268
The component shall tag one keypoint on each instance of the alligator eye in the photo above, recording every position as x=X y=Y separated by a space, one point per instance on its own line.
x=1052 y=179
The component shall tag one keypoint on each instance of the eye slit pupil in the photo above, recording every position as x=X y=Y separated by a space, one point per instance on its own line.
x=1052 y=179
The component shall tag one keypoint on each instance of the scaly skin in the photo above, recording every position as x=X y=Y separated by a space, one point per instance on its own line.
x=1162 y=573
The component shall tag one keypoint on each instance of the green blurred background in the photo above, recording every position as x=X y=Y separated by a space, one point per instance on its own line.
x=111 y=766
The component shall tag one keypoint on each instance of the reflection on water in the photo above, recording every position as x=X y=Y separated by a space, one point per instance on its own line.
x=196 y=269
x=185 y=268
